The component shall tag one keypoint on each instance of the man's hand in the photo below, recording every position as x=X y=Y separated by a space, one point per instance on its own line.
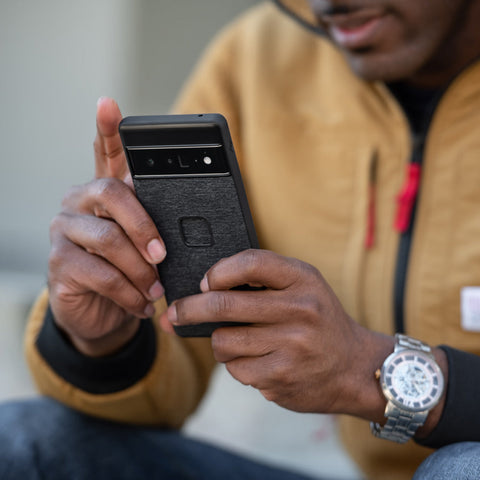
x=301 y=350
x=102 y=275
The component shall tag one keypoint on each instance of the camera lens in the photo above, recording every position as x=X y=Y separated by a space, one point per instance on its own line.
x=150 y=162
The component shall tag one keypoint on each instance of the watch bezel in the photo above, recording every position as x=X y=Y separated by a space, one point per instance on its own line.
x=397 y=358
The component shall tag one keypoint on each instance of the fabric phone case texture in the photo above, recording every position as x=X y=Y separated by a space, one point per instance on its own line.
x=201 y=219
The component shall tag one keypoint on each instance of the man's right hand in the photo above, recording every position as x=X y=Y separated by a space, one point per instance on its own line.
x=102 y=275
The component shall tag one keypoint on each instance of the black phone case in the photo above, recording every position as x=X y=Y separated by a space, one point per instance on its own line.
x=201 y=218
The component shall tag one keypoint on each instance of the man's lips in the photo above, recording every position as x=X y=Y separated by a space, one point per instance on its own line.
x=354 y=29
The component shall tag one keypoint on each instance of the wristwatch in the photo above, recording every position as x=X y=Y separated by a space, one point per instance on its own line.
x=412 y=383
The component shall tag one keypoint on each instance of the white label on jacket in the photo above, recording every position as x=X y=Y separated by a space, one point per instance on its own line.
x=470 y=305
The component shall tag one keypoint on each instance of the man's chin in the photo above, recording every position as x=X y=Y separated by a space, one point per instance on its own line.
x=384 y=68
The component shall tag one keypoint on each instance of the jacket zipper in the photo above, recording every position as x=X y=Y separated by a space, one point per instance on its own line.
x=404 y=223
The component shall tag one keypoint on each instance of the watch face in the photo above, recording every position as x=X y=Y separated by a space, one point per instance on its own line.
x=412 y=380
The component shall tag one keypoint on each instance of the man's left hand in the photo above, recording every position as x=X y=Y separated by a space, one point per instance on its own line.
x=301 y=349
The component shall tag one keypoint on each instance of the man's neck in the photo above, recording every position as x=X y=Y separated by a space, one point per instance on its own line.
x=417 y=103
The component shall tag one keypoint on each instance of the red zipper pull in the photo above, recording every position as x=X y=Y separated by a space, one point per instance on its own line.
x=406 y=198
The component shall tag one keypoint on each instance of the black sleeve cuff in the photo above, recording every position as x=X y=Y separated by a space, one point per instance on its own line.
x=460 y=420
x=98 y=375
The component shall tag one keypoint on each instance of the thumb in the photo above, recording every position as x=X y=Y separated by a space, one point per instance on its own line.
x=110 y=159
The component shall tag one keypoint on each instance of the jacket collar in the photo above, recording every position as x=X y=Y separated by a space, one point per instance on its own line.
x=300 y=10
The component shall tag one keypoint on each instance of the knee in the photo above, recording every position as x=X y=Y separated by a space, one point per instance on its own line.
x=460 y=461
x=29 y=418
x=24 y=427
x=17 y=452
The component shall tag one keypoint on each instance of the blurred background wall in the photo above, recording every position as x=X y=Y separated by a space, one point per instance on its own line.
x=56 y=58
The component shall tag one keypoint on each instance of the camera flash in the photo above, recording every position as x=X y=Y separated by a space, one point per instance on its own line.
x=207 y=160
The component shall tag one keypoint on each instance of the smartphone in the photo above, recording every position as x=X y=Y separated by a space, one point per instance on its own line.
x=186 y=176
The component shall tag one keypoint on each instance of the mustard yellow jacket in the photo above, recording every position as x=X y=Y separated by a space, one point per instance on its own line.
x=307 y=133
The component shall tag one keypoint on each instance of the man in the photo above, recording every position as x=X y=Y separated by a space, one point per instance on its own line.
x=356 y=135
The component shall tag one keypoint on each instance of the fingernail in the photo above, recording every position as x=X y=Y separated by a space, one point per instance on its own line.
x=204 y=284
x=172 y=314
x=156 y=291
x=100 y=100
x=156 y=250
x=149 y=310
